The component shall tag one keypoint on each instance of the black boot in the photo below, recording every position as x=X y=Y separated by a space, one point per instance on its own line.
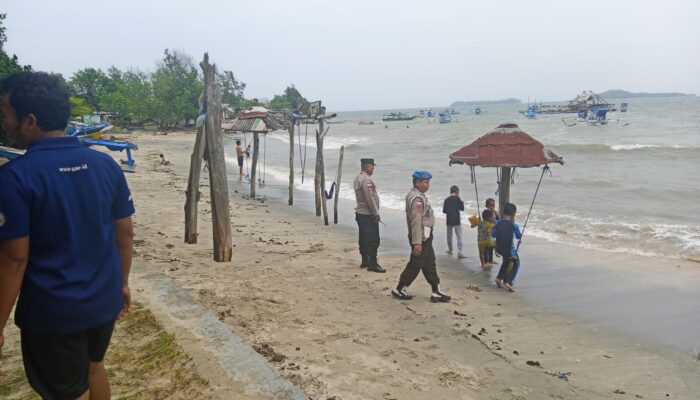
x=365 y=261
x=439 y=297
x=374 y=266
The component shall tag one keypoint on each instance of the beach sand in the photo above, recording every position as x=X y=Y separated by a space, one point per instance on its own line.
x=295 y=292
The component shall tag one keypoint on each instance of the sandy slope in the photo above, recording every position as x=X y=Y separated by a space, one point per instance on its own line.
x=295 y=292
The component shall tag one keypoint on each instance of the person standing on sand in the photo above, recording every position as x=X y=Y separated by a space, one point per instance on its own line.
x=65 y=242
x=506 y=231
x=451 y=207
x=367 y=216
x=420 y=219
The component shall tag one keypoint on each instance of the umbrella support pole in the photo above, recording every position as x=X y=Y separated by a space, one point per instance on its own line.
x=504 y=189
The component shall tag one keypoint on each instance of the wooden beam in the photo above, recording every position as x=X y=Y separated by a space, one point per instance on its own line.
x=218 y=182
x=337 y=185
x=290 y=128
x=317 y=169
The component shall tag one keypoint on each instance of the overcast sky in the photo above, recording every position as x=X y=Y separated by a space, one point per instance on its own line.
x=359 y=55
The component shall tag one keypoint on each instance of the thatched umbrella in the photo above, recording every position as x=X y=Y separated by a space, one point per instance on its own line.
x=505 y=147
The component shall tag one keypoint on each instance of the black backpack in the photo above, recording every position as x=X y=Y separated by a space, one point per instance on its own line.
x=504 y=237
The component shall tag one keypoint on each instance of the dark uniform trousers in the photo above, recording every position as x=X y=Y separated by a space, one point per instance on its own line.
x=368 y=234
x=425 y=262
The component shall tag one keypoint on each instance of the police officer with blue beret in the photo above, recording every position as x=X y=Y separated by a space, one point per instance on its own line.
x=420 y=219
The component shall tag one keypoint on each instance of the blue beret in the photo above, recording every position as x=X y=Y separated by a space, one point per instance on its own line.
x=422 y=175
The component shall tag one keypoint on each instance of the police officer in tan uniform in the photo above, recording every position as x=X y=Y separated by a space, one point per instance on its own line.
x=367 y=216
x=420 y=219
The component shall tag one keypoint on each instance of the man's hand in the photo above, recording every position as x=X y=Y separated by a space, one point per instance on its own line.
x=377 y=218
x=417 y=249
x=126 y=294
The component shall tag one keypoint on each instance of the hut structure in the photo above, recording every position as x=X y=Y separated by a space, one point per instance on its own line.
x=507 y=147
x=256 y=120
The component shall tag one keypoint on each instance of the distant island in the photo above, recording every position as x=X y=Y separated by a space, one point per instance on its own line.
x=477 y=103
x=623 y=94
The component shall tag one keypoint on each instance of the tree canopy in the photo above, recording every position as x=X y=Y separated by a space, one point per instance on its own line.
x=291 y=100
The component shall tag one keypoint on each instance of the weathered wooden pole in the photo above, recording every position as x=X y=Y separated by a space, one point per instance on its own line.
x=317 y=170
x=337 y=185
x=503 y=190
x=254 y=167
x=218 y=184
x=290 y=128
x=192 y=193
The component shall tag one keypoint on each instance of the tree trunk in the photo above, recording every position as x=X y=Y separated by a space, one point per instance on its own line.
x=504 y=190
x=290 y=128
x=254 y=167
x=192 y=193
x=218 y=182
x=317 y=174
x=337 y=185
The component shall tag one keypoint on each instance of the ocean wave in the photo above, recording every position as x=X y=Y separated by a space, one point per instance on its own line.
x=329 y=143
x=597 y=148
x=623 y=147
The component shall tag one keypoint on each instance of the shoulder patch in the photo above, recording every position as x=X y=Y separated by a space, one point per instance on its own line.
x=419 y=204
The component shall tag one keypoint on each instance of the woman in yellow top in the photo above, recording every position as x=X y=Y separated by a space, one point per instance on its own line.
x=484 y=239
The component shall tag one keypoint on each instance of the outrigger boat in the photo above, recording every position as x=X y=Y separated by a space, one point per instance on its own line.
x=595 y=117
x=398 y=117
x=445 y=118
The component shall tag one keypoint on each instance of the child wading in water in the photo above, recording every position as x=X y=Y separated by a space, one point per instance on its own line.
x=505 y=230
x=485 y=241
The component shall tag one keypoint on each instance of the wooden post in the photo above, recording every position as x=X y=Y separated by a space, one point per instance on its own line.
x=290 y=128
x=218 y=183
x=337 y=185
x=254 y=167
x=192 y=193
x=504 y=190
x=317 y=170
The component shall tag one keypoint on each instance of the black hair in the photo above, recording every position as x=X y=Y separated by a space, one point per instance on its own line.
x=40 y=94
x=238 y=142
x=486 y=215
x=490 y=200
x=454 y=189
x=509 y=209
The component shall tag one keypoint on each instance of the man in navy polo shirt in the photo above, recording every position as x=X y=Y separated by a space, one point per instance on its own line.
x=65 y=242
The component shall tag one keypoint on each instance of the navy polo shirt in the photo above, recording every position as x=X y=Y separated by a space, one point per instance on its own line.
x=65 y=197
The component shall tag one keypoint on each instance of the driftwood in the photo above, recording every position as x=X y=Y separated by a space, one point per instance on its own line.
x=320 y=177
x=290 y=128
x=218 y=184
x=192 y=193
x=337 y=185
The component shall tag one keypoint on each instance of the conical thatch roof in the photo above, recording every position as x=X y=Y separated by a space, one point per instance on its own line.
x=505 y=146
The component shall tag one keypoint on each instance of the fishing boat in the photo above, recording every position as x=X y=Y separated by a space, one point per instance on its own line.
x=398 y=117
x=430 y=113
x=477 y=111
x=445 y=118
x=93 y=131
x=623 y=107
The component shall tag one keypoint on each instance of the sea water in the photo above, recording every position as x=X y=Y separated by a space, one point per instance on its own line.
x=630 y=186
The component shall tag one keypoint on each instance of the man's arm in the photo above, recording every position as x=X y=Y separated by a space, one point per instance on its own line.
x=125 y=241
x=517 y=232
x=368 y=196
x=14 y=254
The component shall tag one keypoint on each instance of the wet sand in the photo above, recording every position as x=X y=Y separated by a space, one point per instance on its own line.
x=294 y=291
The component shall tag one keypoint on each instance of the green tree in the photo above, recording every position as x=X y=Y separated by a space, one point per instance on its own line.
x=291 y=100
x=231 y=90
x=176 y=88
x=132 y=97
x=78 y=107
x=89 y=84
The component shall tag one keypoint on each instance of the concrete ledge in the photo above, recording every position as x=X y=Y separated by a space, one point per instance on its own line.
x=179 y=311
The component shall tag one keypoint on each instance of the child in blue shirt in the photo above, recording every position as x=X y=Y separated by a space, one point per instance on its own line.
x=505 y=231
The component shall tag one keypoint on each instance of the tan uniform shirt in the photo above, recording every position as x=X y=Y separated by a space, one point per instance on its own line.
x=419 y=215
x=366 y=195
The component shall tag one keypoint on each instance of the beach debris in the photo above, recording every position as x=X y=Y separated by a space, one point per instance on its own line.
x=455 y=312
x=607 y=356
x=533 y=363
x=499 y=330
x=482 y=331
x=474 y=288
x=619 y=391
x=516 y=352
x=265 y=350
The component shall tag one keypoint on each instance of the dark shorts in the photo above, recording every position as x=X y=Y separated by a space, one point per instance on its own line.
x=57 y=365
x=240 y=161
